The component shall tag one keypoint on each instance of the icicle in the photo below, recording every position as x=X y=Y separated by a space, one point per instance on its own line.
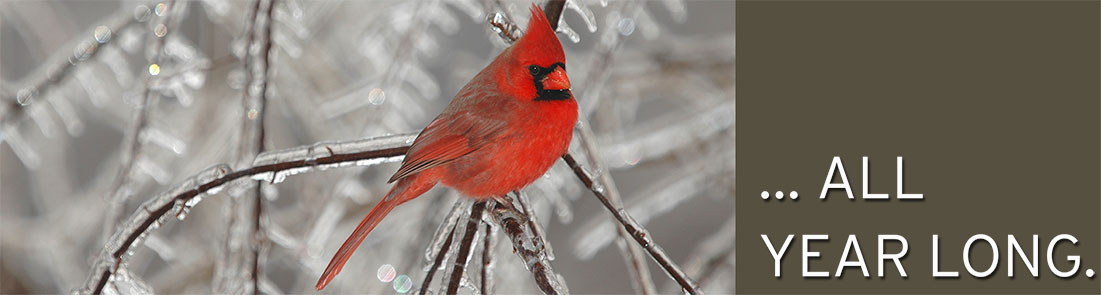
x=323 y=227
x=583 y=10
x=68 y=115
x=161 y=247
x=125 y=283
x=160 y=137
x=44 y=121
x=28 y=155
x=268 y=287
x=564 y=28
x=160 y=175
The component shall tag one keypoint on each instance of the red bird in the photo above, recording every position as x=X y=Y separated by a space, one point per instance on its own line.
x=503 y=130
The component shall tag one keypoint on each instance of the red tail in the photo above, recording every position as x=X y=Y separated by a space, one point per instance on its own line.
x=406 y=189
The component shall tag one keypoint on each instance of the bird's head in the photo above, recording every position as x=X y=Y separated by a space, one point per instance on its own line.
x=536 y=68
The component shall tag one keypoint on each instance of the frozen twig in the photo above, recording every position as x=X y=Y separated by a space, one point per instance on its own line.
x=272 y=166
x=437 y=262
x=526 y=244
x=238 y=270
x=61 y=69
x=466 y=245
x=640 y=235
x=554 y=9
x=133 y=142
x=488 y=247
x=640 y=271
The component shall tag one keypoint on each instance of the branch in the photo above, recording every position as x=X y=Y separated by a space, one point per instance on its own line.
x=465 y=247
x=64 y=67
x=488 y=247
x=527 y=243
x=640 y=235
x=554 y=9
x=272 y=166
x=436 y=263
x=132 y=146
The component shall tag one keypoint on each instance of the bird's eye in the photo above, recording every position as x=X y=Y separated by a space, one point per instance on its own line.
x=534 y=70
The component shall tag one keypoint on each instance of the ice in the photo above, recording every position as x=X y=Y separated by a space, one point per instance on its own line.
x=28 y=155
x=461 y=208
x=68 y=116
x=583 y=10
x=323 y=227
x=564 y=28
x=154 y=170
x=40 y=116
x=125 y=283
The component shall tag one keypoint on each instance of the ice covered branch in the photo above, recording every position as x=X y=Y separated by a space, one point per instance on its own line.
x=62 y=68
x=466 y=245
x=640 y=235
x=272 y=166
x=133 y=143
x=527 y=243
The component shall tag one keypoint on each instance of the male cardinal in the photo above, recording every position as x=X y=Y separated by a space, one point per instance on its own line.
x=503 y=130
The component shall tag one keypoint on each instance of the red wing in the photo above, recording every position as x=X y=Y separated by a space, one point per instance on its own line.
x=447 y=139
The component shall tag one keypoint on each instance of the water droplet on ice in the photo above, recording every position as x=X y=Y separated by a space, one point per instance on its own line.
x=160 y=30
x=102 y=34
x=24 y=96
x=386 y=273
x=84 y=49
x=162 y=9
x=403 y=284
x=376 y=96
x=626 y=26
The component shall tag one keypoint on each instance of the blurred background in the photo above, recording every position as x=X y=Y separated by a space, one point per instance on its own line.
x=106 y=104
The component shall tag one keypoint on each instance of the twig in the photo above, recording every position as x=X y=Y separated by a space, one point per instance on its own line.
x=150 y=215
x=132 y=146
x=465 y=247
x=524 y=243
x=63 y=68
x=488 y=246
x=640 y=235
x=554 y=9
x=241 y=262
x=436 y=263
x=259 y=105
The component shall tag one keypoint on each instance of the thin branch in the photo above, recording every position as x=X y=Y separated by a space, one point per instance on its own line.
x=271 y=165
x=554 y=9
x=640 y=235
x=465 y=247
x=133 y=143
x=488 y=246
x=516 y=224
x=259 y=106
x=436 y=263
x=63 y=68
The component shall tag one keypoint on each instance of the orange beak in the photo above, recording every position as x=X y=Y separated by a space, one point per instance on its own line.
x=556 y=80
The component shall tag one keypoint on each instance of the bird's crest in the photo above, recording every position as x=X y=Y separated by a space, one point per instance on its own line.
x=539 y=43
